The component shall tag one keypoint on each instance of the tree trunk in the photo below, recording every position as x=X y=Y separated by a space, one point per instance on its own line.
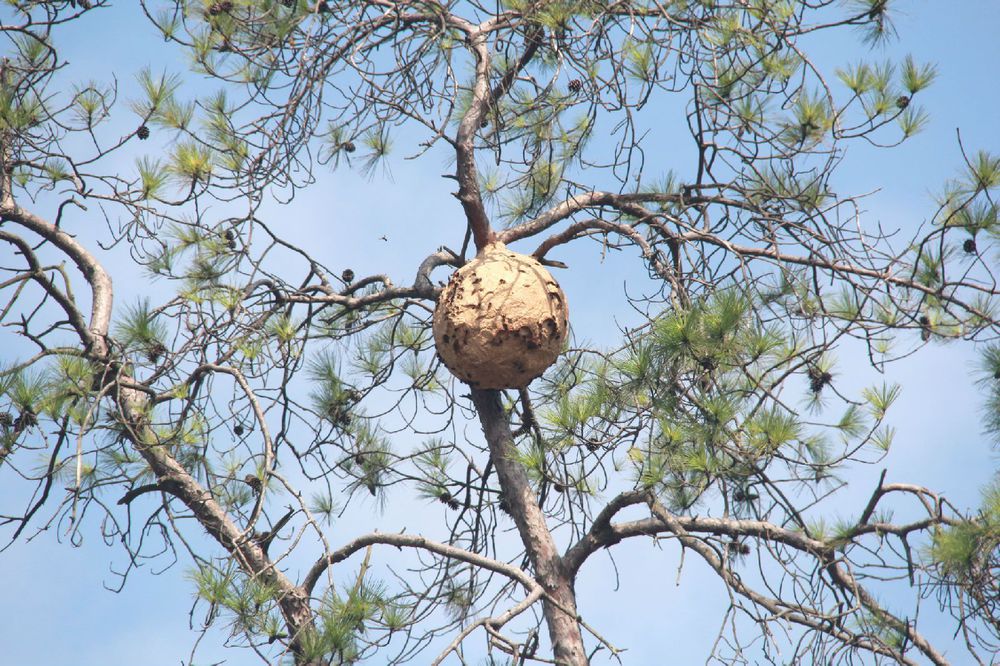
x=132 y=407
x=559 y=603
x=292 y=600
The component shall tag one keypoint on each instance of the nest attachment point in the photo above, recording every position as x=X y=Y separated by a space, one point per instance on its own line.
x=501 y=320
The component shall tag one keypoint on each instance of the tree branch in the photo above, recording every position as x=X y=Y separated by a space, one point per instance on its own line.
x=414 y=541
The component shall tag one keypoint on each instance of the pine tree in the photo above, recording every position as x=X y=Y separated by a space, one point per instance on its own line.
x=253 y=399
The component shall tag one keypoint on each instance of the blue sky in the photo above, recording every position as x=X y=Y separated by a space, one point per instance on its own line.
x=54 y=607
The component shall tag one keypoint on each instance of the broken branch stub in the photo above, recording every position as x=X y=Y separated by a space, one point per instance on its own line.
x=501 y=320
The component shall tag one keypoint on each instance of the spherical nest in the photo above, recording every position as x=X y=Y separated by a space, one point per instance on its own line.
x=501 y=320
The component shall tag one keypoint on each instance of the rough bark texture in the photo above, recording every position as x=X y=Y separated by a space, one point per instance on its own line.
x=466 y=171
x=559 y=603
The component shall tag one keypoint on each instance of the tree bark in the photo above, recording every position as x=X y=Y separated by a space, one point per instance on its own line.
x=131 y=407
x=559 y=603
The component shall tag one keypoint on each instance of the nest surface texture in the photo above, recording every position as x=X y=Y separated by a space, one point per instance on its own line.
x=501 y=320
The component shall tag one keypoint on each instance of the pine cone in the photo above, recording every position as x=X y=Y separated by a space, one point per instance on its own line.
x=446 y=498
x=925 y=328
x=142 y=132
x=26 y=419
x=220 y=7
x=254 y=483
x=818 y=379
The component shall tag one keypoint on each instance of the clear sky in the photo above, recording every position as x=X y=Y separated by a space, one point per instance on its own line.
x=53 y=605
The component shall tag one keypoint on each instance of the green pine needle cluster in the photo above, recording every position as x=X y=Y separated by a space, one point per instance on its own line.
x=698 y=385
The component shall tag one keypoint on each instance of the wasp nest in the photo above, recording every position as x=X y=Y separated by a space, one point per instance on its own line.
x=501 y=320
